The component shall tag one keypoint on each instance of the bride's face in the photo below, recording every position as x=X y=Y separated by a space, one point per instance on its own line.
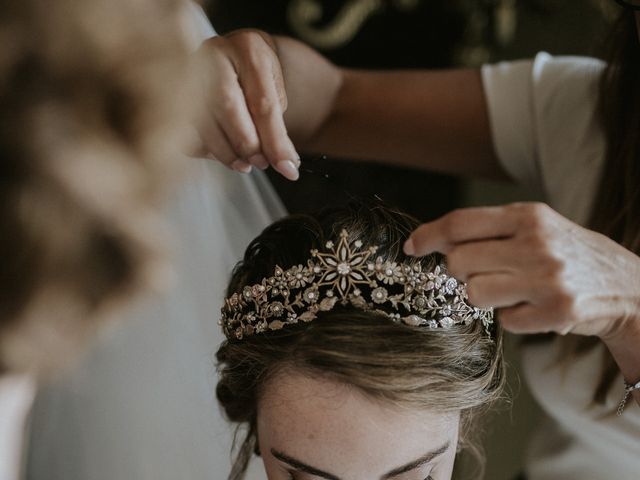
x=313 y=428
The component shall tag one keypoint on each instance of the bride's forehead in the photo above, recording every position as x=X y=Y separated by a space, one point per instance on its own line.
x=298 y=409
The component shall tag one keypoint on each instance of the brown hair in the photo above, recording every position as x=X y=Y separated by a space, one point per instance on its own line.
x=617 y=204
x=455 y=370
x=90 y=115
x=618 y=201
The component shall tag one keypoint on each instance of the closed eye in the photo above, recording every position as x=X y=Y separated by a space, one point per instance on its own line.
x=300 y=466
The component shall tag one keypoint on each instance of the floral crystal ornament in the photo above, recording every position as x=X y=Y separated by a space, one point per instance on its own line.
x=347 y=274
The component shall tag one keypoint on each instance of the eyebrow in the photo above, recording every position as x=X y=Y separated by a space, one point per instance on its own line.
x=426 y=458
x=303 y=467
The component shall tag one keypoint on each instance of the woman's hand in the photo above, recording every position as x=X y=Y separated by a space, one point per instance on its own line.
x=248 y=80
x=263 y=94
x=541 y=271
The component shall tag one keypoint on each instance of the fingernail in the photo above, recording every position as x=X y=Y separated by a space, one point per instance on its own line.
x=241 y=166
x=409 y=248
x=288 y=169
x=259 y=161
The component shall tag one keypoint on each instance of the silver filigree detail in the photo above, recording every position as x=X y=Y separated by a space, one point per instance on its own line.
x=403 y=292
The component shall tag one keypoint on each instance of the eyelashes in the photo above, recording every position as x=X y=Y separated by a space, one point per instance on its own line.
x=292 y=477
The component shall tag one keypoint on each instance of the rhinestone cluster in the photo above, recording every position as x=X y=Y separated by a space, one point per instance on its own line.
x=404 y=293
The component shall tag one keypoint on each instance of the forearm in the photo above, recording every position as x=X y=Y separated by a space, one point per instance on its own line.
x=435 y=120
x=625 y=348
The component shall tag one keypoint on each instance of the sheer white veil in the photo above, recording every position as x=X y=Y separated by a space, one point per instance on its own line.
x=142 y=405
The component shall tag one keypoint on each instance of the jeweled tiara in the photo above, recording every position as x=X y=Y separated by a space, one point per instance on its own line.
x=403 y=292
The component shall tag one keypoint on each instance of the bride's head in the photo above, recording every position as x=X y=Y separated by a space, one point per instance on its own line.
x=370 y=366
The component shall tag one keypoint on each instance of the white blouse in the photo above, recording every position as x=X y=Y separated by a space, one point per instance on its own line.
x=547 y=136
x=16 y=397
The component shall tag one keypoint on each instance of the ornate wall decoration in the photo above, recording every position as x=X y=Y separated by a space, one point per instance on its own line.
x=306 y=19
x=311 y=22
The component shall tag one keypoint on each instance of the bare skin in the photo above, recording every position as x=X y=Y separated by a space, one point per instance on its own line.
x=312 y=428
x=571 y=280
x=394 y=117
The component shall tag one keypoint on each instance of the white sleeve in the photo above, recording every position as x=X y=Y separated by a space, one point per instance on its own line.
x=195 y=24
x=544 y=122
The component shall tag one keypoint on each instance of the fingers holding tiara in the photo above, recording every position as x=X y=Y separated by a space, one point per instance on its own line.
x=462 y=226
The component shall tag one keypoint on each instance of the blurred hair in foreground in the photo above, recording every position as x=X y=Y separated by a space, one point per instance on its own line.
x=92 y=118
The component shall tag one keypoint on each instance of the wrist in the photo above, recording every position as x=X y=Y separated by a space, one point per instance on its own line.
x=626 y=333
x=313 y=86
x=624 y=346
x=626 y=330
